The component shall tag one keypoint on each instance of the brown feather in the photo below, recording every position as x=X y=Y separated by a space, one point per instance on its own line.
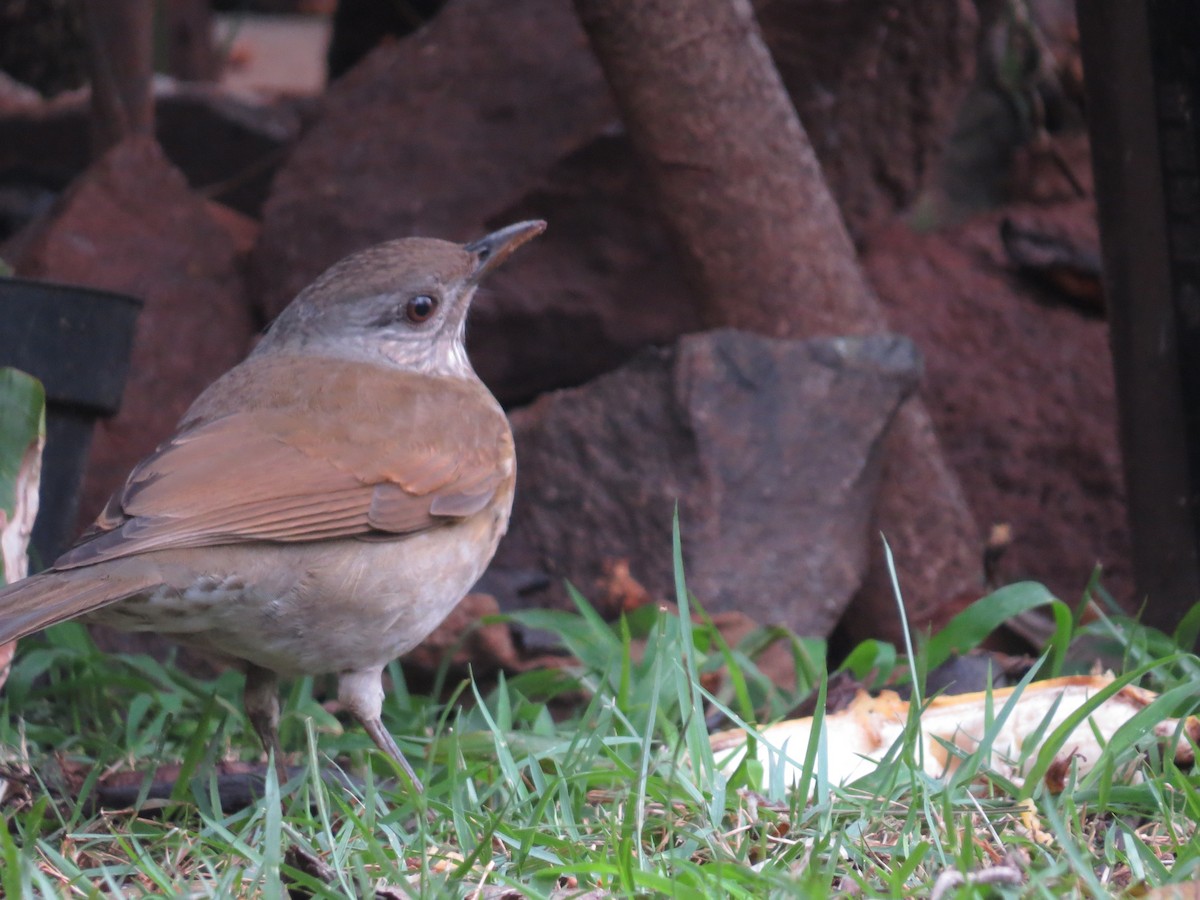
x=297 y=465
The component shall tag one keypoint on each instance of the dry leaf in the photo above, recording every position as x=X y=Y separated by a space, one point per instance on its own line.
x=859 y=736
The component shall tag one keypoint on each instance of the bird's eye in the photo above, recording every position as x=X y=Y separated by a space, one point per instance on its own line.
x=420 y=308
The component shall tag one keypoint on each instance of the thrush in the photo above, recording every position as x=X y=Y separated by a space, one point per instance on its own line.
x=323 y=505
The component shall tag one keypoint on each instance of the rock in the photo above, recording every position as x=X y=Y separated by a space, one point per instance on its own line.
x=130 y=224
x=768 y=447
x=225 y=143
x=877 y=90
x=930 y=529
x=434 y=135
x=1021 y=392
x=600 y=284
x=228 y=144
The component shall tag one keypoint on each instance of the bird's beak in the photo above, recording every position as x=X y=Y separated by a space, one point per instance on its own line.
x=499 y=245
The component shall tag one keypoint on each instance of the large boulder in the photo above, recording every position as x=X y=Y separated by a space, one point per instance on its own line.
x=877 y=88
x=768 y=447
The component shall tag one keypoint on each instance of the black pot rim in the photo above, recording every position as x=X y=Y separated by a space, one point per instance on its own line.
x=57 y=287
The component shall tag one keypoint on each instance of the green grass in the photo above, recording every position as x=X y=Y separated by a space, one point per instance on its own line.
x=623 y=795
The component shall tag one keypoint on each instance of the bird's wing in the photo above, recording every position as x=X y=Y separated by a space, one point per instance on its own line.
x=315 y=449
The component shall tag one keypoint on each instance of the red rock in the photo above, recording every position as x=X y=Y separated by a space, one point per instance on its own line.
x=600 y=284
x=432 y=135
x=226 y=144
x=877 y=88
x=769 y=447
x=130 y=224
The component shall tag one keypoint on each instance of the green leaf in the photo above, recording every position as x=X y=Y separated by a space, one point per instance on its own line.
x=870 y=658
x=968 y=629
x=22 y=432
x=1187 y=632
x=22 y=425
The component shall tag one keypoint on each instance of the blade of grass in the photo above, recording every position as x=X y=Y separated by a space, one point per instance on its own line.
x=969 y=628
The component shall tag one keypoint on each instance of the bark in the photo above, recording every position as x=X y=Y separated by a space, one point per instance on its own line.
x=121 y=42
x=736 y=174
x=743 y=192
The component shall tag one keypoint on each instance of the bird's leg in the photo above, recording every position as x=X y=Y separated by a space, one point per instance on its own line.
x=361 y=693
x=260 y=697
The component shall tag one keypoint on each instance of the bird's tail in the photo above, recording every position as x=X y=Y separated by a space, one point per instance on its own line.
x=50 y=597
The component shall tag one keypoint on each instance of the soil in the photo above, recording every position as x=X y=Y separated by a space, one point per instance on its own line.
x=1020 y=387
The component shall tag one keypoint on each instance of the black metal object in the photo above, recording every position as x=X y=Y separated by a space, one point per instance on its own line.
x=1142 y=70
x=78 y=342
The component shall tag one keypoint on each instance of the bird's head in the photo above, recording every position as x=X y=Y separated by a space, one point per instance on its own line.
x=404 y=302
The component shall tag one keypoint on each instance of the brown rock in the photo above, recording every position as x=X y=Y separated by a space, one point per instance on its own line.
x=600 y=284
x=433 y=134
x=242 y=229
x=131 y=225
x=1021 y=392
x=877 y=89
x=768 y=446
x=227 y=145
x=936 y=548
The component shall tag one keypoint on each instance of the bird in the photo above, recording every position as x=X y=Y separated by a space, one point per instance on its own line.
x=324 y=504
